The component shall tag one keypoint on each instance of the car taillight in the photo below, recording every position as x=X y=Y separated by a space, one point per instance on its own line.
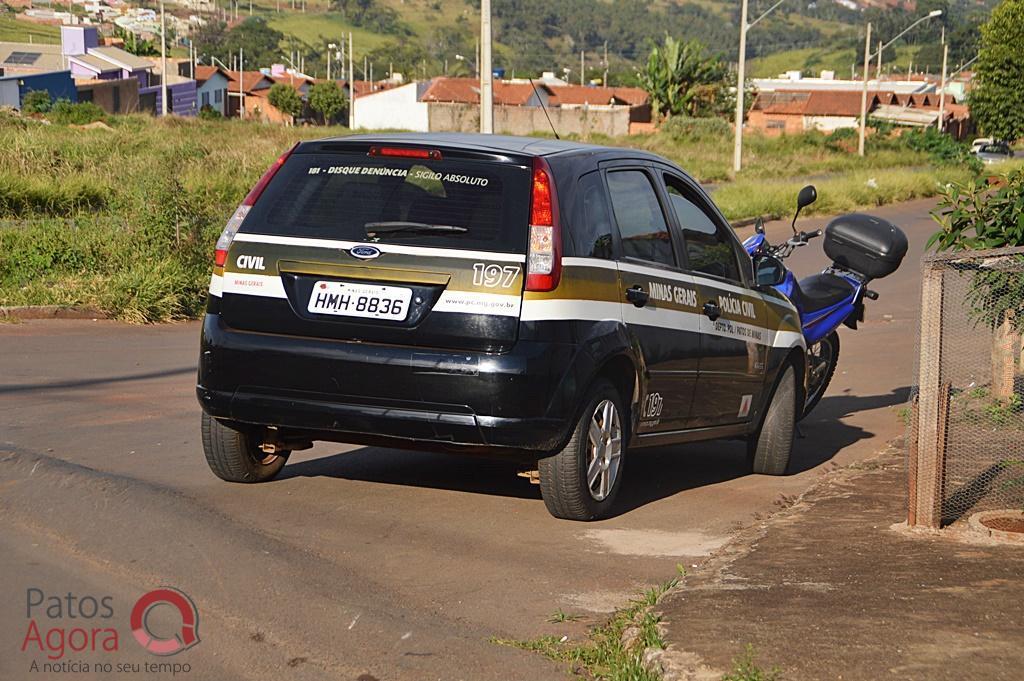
x=406 y=152
x=238 y=217
x=544 y=261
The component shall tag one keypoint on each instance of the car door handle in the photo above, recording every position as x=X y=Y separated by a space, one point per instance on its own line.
x=712 y=311
x=637 y=295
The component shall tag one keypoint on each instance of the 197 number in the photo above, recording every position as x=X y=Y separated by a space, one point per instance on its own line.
x=494 y=276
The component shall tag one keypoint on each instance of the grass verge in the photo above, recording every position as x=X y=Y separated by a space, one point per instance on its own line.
x=614 y=651
x=123 y=219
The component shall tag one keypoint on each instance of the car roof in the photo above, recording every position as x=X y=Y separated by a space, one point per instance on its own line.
x=528 y=146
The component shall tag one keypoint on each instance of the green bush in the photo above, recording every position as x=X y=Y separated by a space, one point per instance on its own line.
x=940 y=147
x=36 y=101
x=64 y=112
x=208 y=113
x=684 y=129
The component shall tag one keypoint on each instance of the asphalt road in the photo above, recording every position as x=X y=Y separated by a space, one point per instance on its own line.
x=363 y=563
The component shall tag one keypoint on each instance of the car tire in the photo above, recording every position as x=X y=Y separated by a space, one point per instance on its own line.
x=581 y=481
x=235 y=456
x=769 y=449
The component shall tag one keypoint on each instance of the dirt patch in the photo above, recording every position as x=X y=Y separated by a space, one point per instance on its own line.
x=825 y=589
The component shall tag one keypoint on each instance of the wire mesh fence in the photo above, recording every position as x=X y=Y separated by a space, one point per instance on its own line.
x=966 y=450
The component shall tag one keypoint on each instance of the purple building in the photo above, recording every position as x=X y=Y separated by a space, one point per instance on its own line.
x=87 y=60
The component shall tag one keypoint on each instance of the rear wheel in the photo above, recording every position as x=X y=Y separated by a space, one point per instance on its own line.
x=822 y=358
x=582 y=480
x=770 y=447
x=235 y=456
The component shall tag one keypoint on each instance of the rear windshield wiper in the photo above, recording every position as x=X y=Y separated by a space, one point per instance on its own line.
x=402 y=227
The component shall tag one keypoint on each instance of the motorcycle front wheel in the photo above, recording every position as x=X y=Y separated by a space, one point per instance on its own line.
x=822 y=358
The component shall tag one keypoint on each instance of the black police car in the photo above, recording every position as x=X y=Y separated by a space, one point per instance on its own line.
x=555 y=302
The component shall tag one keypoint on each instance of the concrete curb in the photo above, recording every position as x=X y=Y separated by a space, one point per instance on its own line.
x=673 y=663
x=22 y=312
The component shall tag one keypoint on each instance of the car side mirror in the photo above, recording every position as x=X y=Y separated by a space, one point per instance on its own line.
x=769 y=271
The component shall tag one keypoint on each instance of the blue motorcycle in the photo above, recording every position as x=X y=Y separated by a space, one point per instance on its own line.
x=862 y=248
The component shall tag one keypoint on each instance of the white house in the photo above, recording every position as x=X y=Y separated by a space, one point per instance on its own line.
x=212 y=88
x=397 y=108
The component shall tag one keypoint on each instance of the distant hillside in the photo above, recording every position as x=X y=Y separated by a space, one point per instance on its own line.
x=417 y=36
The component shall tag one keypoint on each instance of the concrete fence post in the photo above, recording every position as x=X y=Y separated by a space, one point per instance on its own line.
x=931 y=407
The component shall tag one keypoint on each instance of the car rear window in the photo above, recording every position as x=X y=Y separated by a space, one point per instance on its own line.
x=335 y=196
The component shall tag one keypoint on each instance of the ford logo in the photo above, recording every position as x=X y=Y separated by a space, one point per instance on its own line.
x=364 y=252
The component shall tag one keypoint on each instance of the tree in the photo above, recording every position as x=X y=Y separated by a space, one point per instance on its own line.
x=973 y=217
x=681 y=79
x=327 y=100
x=285 y=99
x=260 y=44
x=997 y=101
x=36 y=101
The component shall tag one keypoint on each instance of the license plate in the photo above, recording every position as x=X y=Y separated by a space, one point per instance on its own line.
x=360 y=300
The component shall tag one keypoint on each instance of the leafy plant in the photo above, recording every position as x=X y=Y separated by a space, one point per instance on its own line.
x=36 y=101
x=745 y=669
x=208 y=113
x=997 y=102
x=682 y=79
x=941 y=148
x=65 y=112
x=285 y=99
x=326 y=99
x=973 y=217
x=605 y=655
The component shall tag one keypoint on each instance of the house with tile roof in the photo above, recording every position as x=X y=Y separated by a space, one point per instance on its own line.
x=212 y=88
x=521 y=107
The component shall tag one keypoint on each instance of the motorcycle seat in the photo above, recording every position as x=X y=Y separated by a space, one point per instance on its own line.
x=819 y=291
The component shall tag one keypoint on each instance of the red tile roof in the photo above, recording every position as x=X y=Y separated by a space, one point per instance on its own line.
x=467 y=91
x=818 y=102
x=250 y=79
x=597 y=96
x=204 y=73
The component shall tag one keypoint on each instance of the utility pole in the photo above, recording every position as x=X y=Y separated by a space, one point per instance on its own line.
x=241 y=84
x=878 y=69
x=351 y=84
x=163 y=60
x=737 y=155
x=737 y=151
x=583 y=66
x=942 y=92
x=604 y=81
x=864 y=93
x=486 y=70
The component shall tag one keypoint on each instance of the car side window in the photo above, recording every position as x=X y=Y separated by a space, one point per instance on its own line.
x=593 y=232
x=642 y=226
x=708 y=248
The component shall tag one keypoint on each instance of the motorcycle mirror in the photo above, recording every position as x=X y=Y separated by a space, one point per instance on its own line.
x=806 y=197
x=759 y=226
x=769 y=271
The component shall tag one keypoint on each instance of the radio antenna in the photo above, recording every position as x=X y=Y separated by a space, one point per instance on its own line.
x=544 y=108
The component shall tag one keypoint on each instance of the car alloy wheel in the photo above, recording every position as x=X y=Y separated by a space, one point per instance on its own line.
x=604 y=449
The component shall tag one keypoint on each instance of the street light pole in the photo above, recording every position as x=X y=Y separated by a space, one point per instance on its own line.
x=867 y=65
x=486 y=71
x=737 y=153
x=942 y=92
x=864 y=93
x=163 y=61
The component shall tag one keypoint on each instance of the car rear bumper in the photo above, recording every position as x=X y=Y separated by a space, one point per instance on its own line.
x=375 y=394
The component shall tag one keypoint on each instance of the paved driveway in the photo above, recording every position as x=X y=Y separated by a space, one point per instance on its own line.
x=365 y=561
